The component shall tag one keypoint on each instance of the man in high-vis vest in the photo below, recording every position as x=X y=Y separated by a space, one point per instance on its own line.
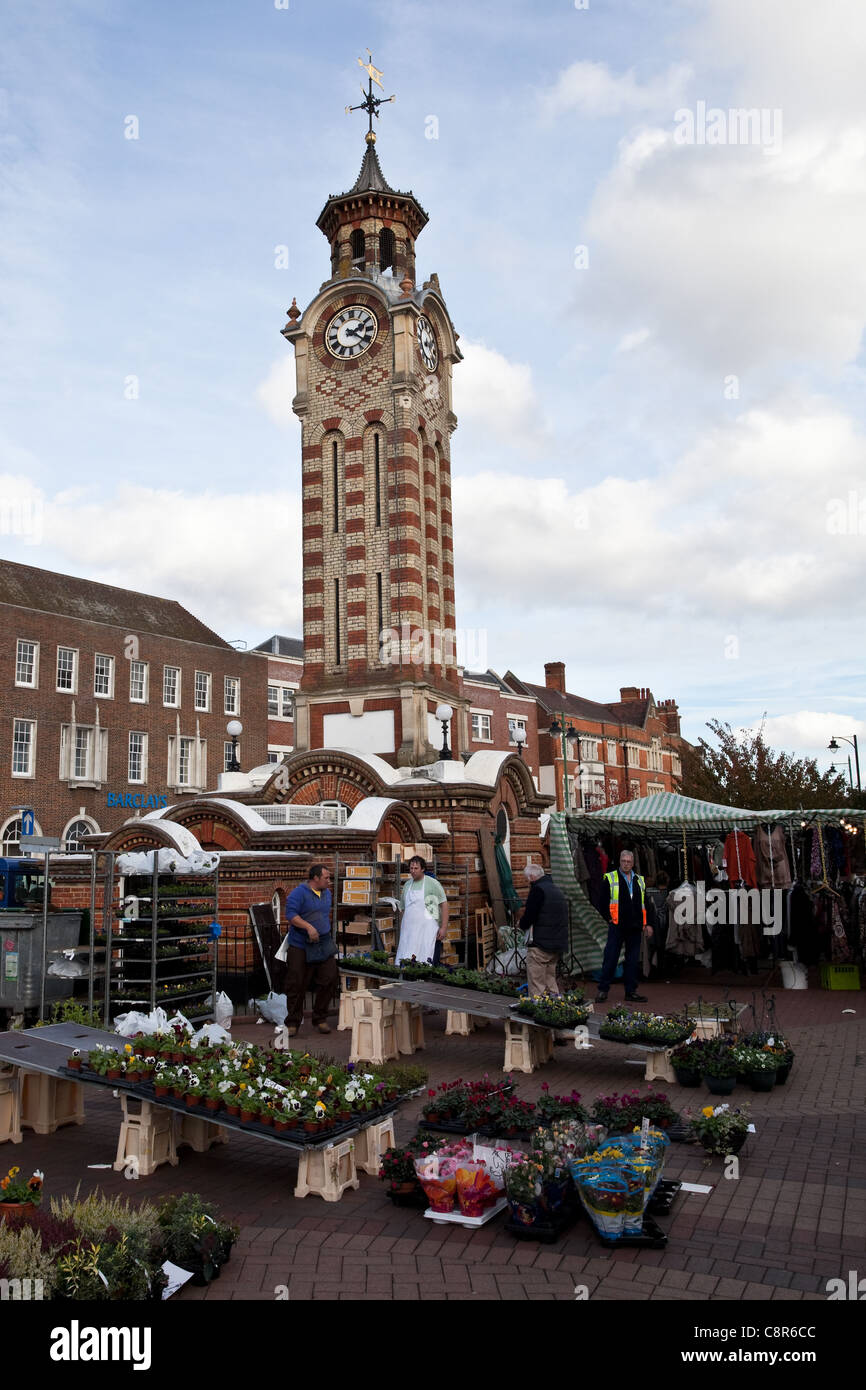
x=623 y=903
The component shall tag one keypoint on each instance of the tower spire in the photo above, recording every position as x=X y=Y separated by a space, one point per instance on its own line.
x=371 y=102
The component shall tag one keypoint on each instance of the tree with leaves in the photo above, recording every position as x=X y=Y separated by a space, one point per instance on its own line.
x=742 y=771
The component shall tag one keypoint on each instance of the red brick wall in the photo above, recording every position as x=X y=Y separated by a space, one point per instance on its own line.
x=54 y=801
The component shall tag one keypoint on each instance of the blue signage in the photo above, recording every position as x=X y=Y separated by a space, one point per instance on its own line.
x=28 y=822
x=139 y=801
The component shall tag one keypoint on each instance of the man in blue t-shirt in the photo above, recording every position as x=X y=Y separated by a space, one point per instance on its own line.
x=308 y=913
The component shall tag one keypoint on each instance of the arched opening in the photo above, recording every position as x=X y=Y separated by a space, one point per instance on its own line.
x=387 y=249
x=74 y=833
x=10 y=837
x=358 y=251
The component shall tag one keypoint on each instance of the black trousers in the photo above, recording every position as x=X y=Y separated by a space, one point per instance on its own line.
x=322 y=976
x=616 y=940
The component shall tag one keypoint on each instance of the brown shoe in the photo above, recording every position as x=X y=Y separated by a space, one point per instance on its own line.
x=291 y=1032
x=323 y=1027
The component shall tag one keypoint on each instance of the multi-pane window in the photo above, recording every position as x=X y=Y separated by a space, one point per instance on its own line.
x=23 y=747
x=611 y=752
x=202 y=690
x=26 y=662
x=103 y=676
x=82 y=753
x=74 y=833
x=589 y=750
x=634 y=787
x=281 y=702
x=481 y=728
x=11 y=843
x=138 y=682
x=66 y=668
x=184 y=762
x=515 y=723
x=171 y=686
x=137 y=762
x=228 y=755
x=232 y=695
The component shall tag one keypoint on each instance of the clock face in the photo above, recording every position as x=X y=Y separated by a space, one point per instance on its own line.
x=427 y=344
x=351 y=332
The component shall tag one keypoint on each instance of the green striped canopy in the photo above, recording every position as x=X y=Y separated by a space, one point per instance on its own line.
x=670 y=811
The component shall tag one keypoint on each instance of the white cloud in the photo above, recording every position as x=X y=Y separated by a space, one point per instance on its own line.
x=233 y=559
x=499 y=397
x=593 y=90
x=277 y=391
x=808 y=733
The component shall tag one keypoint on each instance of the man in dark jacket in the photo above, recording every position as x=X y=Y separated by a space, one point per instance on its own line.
x=623 y=904
x=546 y=918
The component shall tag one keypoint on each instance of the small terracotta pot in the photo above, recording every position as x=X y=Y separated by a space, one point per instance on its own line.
x=74 y=1063
x=213 y=1103
x=160 y=1090
x=192 y=1101
x=266 y=1119
x=178 y=1092
x=233 y=1109
x=114 y=1074
x=247 y=1116
x=281 y=1125
x=311 y=1126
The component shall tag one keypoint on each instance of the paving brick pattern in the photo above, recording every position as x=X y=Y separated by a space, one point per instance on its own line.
x=794 y=1218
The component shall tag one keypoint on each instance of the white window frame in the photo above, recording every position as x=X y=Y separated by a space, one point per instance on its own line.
x=234 y=681
x=87 y=732
x=103 y=694
x=171 y=704
x=228 y=756
x=185 y=744
x=634 y=788
x=67 y=689
x=285 y=694
x=91 y=824
x=96 y=767
x=612 y=753
x=197 y=769
x=27 y=642
x=136 y=781
x=145 y=684
x=31 y=748
x=516 y=721
x=481 y=714
x=15 y=819
x=276 y=752
x=205 y=708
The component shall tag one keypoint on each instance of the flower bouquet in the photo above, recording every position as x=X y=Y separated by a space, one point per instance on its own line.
x=20 y=1192
x=476 y=1190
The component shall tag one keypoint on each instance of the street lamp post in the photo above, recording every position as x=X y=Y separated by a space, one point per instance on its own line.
x=559 y=729
x=833 y=747
x=519 y=737
x=234 y=729
x=444 y=714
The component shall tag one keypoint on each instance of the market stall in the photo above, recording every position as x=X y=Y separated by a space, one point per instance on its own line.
x=731 y=886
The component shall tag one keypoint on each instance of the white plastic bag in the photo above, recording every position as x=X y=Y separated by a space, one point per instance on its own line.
x=282 y=952
x=224 y=1010
x=127 y=1024
x=211 y=1033
x=274 y=1009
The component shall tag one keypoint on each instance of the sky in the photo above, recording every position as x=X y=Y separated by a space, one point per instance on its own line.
x=660 y=464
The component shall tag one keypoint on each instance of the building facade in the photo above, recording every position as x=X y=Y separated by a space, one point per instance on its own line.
x=114 y=704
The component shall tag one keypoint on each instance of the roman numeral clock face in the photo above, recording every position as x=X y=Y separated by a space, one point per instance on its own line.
x=351 y=332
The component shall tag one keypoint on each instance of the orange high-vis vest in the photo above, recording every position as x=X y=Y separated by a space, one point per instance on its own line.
x=613 y=884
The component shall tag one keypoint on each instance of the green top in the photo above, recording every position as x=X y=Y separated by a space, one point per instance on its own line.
x=434 y=895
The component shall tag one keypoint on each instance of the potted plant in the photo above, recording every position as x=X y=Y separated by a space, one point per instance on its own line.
x=758 y=1065
x=719 y=1069
x=194 y=1238
x=549 y=1108
x=686 y=1060
x=73 y=1061
x=18 y=1194
x=720 y=1129
x=397 y=1169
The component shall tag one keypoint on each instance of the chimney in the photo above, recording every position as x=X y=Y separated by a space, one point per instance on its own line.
x=629 y=692
x=275 y=646
x=554 y=676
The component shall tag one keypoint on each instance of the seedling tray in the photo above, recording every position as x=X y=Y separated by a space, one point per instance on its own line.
x=663 y=1198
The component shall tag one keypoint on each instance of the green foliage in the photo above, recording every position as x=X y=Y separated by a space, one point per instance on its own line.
x=22 y=1256
x=742 y=771
x=194 y=1238
x=73 y=1011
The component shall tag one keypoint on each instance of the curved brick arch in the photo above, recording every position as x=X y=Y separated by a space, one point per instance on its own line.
x=516 y=777
x=139 y=835
x=320 y=775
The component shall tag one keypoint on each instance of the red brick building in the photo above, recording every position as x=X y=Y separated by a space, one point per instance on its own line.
x=114 y=703
x=285 y=668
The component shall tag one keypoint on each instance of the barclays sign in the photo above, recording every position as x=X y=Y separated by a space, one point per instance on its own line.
x=139 y=801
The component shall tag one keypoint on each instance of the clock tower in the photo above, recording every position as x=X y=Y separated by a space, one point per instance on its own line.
x=373 y=354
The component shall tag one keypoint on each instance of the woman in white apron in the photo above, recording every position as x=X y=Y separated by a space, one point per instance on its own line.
x=419 y=928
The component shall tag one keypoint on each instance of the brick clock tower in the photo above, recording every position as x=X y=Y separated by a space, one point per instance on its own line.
x=373 y=358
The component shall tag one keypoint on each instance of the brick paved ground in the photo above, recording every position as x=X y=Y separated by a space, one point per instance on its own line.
x=795 y=1218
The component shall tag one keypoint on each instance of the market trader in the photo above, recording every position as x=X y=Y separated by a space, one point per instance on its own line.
x=311 y=960
x=623 y=904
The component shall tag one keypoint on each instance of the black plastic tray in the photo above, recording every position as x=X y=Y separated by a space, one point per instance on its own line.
x=663 y=1198
x=546 y=1231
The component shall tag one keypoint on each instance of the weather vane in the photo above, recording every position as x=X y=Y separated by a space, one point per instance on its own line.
x=371 y=103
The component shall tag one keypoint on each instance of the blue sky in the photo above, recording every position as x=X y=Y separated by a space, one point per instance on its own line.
x=657 y=451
